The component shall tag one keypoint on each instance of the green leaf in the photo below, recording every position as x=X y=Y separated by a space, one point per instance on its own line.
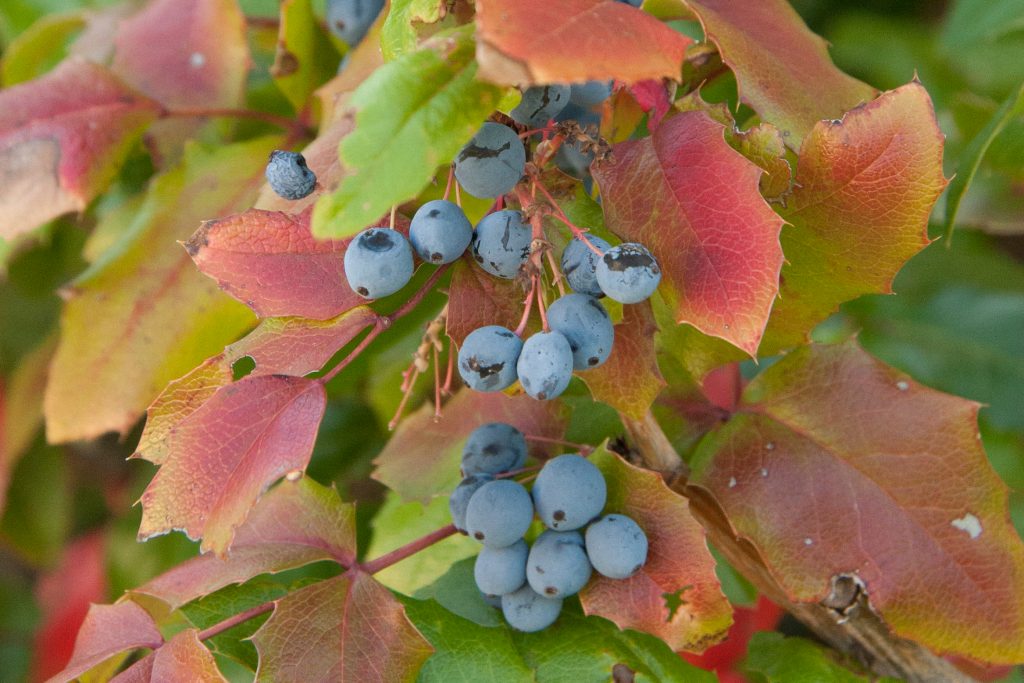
x=794 y=660
x=38 y=515
x=38 y=49
x=398 y=36
x=305 y=57
x=971 y=158
x=575 y=648
x=456 y=591
x=398 y=523
x=412 y=115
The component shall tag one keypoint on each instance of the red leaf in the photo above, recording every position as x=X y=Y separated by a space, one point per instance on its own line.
x=62 y=139
x=679 y=564
x=349 y=628
x=476 y=298
x=294 y=524
x=523 y=42
x=726 y=655
x=694 y=202
x=109 y=630
x=185 y=658
x=65 y=596
x=422 y=458
x=226 y=453
x=185 y=53
x=269 y=261
x=839 y=465
x=298 y=346
x=654 y=98
x=782 y=69
x=865 y=187
x=629 y=380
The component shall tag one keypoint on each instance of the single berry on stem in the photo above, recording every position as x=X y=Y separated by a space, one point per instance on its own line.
x=488 y=357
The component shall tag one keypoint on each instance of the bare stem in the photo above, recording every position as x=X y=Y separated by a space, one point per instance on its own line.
x=266 y=117
x=584 y=448
x=407 y=550
x=378 y=327
x=235 y=620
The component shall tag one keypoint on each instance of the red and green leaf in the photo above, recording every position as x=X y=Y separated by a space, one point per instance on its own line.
x=694 y=202
x=676 y=596
x=865 y=187
x=782 y=69
x=63 y=138
x=421 y=459
x=349 y=628
x=838 y=465
x=296 y=523
x=525 y=42
x=225 y=454
x=142 y=316
x=109 y=630
x=270 y=261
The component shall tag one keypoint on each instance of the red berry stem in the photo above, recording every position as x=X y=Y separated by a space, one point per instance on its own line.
x=407 y=550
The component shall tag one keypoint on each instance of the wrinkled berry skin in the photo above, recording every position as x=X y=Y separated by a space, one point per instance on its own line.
x=289 y=176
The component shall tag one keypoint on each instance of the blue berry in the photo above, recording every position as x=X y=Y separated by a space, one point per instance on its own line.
x=540 y=104
x=572 y=159
x=502 y=243
x=579 y=264
x=289 y=176
x=378 y=262
x=545 y=365
x=501 y=570
x=634 y=3
x=628 y=273
x=558 y=566
x=499 y=513
x=440 y=232
x=459 y=500
x=487 y=359
x=591 y=93
x=492 y=162
x=617 y=546
x=526 y=610
x=588 y=328
x=569 y=492
x=493 y=448
x=351 y=19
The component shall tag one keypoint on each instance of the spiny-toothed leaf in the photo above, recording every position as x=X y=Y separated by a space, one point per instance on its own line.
x=109 y=630
x=411 y=116
x=676 y=595
x=829 y=430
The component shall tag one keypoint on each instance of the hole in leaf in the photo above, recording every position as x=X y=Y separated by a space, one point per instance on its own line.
x=242 y=367
x=673 y=601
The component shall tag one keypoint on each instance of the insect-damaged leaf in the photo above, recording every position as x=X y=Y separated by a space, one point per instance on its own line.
x=523 y=42
x=294 y=524
x=676 y=596
x=349 y=628
x=225 y=454
x=836 y=464
x=62 y=139
x=694 y=202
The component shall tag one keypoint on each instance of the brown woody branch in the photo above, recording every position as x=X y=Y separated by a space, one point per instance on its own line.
x=844 y=618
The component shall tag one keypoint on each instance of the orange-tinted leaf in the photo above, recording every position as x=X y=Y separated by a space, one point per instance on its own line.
x=269 y=261
x=782 y=69
x=185 y=53
x=298 y=346
x=143 y=316
x=522 y=42
x=694 y=202
x=629 y=380
x=62 y=139
x=178 y=400
x=226 y=453
x=21 y=409
x=865 y=187
x=109 y=630
x=676 y=596
x=349 y=628
x=476 y=298
x=294 y=524
x=839 y=465
x=185 y=658
x=765 y=146
x=422 y=458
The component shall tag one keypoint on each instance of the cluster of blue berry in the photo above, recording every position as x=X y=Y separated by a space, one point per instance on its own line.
x=527 y=582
